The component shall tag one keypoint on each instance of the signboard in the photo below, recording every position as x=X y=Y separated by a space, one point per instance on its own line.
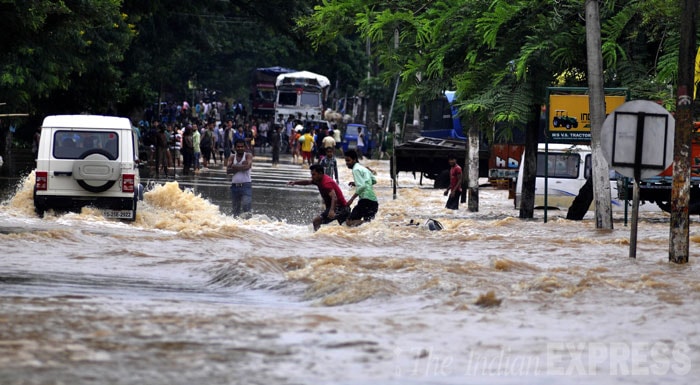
x=570 y=117
x=638 y=136
x=504 y=160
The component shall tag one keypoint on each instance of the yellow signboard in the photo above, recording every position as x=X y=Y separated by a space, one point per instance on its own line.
x=570 y=117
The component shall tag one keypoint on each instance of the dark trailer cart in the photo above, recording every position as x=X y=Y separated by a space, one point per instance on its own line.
x=428 y=156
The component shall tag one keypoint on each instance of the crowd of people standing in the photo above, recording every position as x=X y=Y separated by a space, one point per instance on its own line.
x=195 y=139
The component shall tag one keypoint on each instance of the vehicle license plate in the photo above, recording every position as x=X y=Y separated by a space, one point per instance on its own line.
x=118 y=214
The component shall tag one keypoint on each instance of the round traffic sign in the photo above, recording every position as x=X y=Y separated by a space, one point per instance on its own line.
x=638 y=135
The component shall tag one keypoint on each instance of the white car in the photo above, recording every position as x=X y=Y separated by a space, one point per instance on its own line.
x=88 y=160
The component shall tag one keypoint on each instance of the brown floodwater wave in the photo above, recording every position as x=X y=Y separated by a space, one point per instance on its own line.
x=188 y=294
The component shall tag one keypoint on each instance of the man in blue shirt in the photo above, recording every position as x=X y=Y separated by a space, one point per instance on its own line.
x=329 y=164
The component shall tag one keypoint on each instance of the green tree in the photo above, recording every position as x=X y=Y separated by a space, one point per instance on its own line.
x=116 y=56
x=215 y=45
x=53 y=47
x=501 y=56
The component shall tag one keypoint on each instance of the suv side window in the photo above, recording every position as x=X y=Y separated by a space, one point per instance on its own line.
x=73 y=144
x=560 y=165
x=587 y=170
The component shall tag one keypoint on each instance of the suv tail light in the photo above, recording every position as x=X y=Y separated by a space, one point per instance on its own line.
x=128 y=183
x=42 y=180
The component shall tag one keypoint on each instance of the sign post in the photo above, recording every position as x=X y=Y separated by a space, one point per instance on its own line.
x=638 y=143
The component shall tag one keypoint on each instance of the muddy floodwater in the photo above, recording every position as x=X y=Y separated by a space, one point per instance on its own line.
x=187 y=294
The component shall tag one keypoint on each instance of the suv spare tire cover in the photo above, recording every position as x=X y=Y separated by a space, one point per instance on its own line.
x=96 y=171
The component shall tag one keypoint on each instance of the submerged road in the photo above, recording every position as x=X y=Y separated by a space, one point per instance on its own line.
x=271 y=195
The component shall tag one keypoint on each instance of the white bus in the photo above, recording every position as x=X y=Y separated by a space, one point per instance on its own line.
x=568 y=168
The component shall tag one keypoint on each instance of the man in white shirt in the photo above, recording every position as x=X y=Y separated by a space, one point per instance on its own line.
x=238 y=165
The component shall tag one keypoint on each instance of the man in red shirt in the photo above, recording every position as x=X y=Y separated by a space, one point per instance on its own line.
x=453 y=192
x=336 y=206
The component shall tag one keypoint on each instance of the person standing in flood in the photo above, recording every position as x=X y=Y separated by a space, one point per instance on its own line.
x=336 y=206
x=454 y=190
x=161 y=151
x=196 y=141
x=238 y=165
x=361 y=143
x=296 y=146
x=187 y=150
x=363 y=180
x=228 y=138
x=206 y=144
x=275 y=142
x=329 y=164
x=307 y=147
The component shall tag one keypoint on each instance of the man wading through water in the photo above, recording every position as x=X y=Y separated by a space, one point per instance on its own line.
x=453 y=192
x=336 y=207
x=367 y=207
x=239 y=164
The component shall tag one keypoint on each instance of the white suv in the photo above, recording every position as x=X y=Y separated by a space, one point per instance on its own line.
x=88 y=160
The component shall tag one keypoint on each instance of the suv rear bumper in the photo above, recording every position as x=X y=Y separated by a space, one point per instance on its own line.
x=74 y=203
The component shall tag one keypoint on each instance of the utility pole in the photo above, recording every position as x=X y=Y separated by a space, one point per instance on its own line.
x=601 y=177
x=680 y=191
x=369 y=75
x=388 y=120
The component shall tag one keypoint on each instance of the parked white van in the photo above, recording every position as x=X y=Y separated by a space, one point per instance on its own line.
x=568 y=168
x=88 y=160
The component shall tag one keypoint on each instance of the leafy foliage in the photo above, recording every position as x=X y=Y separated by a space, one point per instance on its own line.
x=118 y=56
x=501 y=55
x=53 y=46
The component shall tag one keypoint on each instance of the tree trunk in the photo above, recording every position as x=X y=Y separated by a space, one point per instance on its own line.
x=465 y=174
x=527 y=196
x=601 y=176
x=680 y=191
x=473 y=168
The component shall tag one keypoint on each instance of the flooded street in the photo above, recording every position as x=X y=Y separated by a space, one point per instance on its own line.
x=188 y=294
